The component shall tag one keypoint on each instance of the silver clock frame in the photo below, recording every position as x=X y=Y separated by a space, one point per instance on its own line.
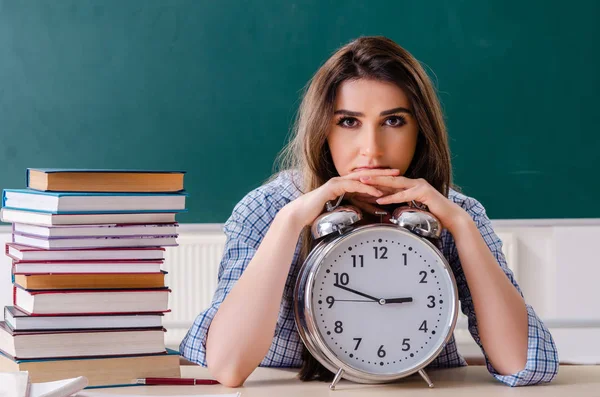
x=306 y=323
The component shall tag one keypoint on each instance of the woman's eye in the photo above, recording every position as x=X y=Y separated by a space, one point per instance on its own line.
x=348 y=122
x=395 y=121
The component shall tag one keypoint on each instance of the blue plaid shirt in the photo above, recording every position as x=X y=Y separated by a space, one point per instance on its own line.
x=248 y=225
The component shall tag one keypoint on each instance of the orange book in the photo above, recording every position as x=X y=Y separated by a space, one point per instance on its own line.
x=104 y=180
x=90 y=281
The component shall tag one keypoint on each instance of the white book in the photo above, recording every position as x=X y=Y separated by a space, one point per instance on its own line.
x=77 y=343
x=92 y=301
x=17 y=384
x=92 y=393
x=47 y=219
x=20 y=321
x=58 y=388
x=14 y=384
x=107 y=230
x=86 y=393
x=65 y=202
x=95 y=242
x=26 y=253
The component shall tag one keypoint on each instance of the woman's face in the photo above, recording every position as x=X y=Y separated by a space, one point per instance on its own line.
x=373 y=127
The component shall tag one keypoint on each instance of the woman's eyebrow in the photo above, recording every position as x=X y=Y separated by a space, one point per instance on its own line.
x=384 y=113
x=395 y=110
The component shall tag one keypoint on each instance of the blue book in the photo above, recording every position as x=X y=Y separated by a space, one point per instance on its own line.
x=88 y=203
x=104 y=180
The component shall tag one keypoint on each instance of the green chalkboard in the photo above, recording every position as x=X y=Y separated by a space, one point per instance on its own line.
x=212 y=87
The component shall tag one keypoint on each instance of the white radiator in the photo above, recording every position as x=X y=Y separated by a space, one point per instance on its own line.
x=193 y=268
x=530 y=249
x=509 y=248
x=192 y=277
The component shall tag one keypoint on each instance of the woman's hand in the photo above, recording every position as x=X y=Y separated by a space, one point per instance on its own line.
x=306 y=208
x=403 y=190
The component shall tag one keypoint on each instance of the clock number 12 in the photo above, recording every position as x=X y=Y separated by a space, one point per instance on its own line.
x=380 y=252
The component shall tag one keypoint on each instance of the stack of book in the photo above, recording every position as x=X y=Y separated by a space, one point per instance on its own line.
x=89 y=292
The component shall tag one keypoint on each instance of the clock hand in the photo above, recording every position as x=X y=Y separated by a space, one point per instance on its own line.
x=357 y=292
x=399 y=300
x=353 y=300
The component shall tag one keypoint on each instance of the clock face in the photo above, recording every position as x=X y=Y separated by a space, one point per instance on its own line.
x=383 y=301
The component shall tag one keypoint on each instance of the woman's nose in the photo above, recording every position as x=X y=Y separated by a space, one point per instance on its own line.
x=371 y=144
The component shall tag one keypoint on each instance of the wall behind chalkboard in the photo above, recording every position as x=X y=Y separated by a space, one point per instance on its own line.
x=212 y=88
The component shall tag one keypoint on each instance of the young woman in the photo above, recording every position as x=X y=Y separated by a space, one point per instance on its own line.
x=370 y=127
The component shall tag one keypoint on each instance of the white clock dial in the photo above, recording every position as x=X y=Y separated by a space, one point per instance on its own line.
x=383 y=301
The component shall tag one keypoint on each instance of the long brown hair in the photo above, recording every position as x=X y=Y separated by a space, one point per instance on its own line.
x=376 y=58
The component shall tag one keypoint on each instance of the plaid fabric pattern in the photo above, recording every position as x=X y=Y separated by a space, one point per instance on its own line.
x=248 y=225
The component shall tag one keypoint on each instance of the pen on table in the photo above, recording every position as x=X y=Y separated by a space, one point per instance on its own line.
x=175 y=381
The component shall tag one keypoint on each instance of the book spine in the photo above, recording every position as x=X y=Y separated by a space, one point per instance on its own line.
x=97 y=291
x=99 y=237
x=61 y=212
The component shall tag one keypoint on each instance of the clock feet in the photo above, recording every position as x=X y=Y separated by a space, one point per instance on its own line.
x=336 y=379
x=425 y=378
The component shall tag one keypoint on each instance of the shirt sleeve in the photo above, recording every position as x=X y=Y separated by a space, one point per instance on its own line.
x=542 y=355
x=244 y=230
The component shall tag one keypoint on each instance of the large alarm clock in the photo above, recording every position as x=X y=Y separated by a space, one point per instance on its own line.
x=377 y=302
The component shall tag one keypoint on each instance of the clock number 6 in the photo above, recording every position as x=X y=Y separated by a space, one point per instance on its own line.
x=381 y=352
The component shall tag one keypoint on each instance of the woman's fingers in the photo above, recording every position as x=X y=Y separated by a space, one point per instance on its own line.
x=400 y=197
x=363 y=190
x=397 y=182
x=352 y=186
x=372 y=173
x=336 y=187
